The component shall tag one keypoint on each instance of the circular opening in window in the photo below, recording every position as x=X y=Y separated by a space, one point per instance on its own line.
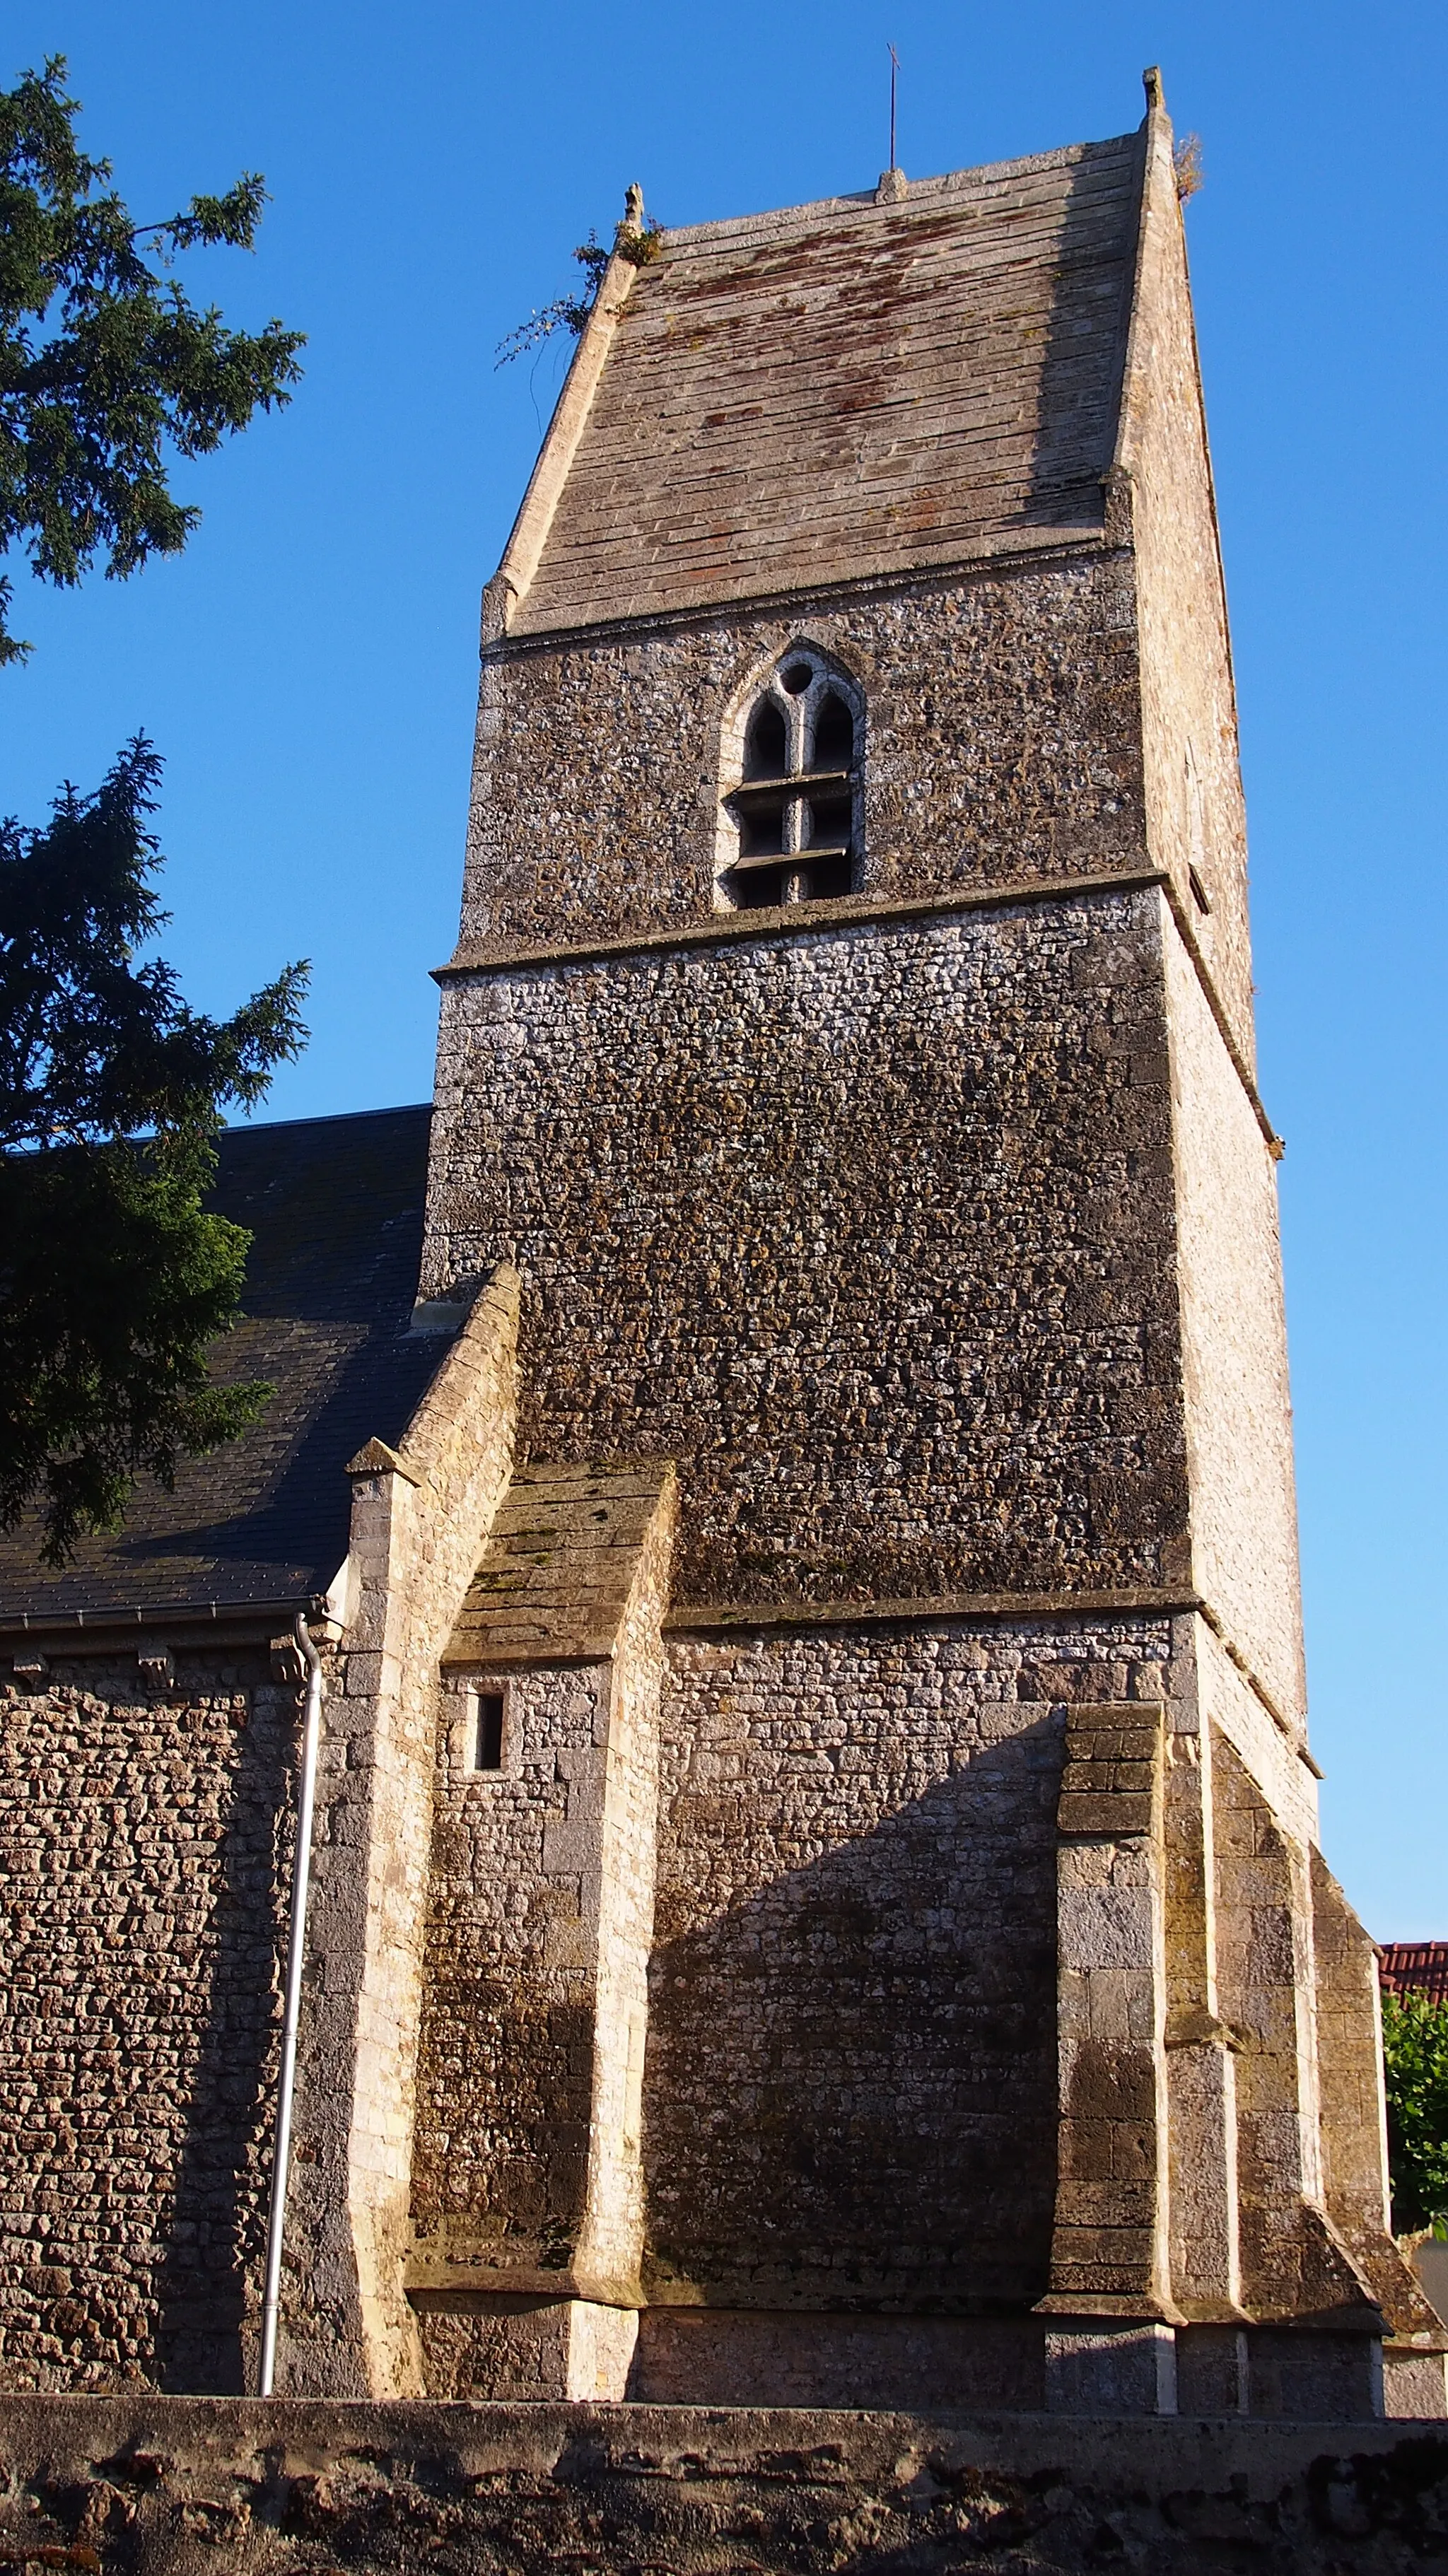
x=797 y=678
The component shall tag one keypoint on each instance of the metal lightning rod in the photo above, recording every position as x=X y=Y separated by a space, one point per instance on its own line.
x=894 y=75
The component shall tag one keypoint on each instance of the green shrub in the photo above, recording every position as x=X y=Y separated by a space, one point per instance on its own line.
x=1415 y=2055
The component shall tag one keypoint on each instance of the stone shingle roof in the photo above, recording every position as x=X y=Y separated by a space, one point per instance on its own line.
x=335 y=1208
x=560 y=1558
x=850 y=388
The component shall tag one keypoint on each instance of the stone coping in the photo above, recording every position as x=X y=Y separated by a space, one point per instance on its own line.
x=1157 y=2452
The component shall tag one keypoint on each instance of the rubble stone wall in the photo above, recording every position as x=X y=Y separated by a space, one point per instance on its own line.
x=1234 y=1349
x=144 y=1857
x=1196 y=819
x=870 y=1228
x=506 y=2052
x=1002 y=742
x=851 y=2089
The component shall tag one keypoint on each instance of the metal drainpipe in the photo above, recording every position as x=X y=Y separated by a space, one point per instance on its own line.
x=301 y=1873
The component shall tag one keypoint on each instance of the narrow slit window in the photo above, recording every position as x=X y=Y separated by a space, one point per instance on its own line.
x=485 y=1730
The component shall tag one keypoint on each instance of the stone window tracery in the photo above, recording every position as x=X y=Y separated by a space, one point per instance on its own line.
x=790 y=806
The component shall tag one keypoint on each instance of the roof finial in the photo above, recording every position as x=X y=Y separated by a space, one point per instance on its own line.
x=1151 y=83
x=893 y=182
x=633 y=208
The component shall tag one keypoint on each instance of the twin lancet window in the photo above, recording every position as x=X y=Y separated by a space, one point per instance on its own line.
x=790 y=825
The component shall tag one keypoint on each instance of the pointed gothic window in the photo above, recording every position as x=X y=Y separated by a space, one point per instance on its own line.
x=791 y=819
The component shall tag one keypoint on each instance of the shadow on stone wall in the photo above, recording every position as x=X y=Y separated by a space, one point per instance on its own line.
x=214 y=2233
x=850 y=2095
x=1080 y=382
x=500 y=2154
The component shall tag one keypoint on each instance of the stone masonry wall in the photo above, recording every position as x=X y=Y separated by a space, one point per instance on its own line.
x=144 y=1839
x=1234 y=1349
x=869 y=1228
x=1196 y=818
x=1274 y=1758
x=1002 y=742
x=505 y=2057
x=850 y=2093
x=1354 y=2110
x=1292 y=2265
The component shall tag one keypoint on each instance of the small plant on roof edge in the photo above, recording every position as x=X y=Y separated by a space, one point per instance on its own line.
x=1186 y=161
x=638 y=243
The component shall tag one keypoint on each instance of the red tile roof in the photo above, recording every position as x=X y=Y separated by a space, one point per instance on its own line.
x=1415 y=1968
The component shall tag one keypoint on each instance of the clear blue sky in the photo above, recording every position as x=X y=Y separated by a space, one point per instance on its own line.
x=308 y=667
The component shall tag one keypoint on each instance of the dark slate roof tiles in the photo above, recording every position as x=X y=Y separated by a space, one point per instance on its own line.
x=335 y=1208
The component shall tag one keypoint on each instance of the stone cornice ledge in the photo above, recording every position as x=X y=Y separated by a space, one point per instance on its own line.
x=1002 y=550
x=724 y=1618
x=713 y=1618
x=766 y=921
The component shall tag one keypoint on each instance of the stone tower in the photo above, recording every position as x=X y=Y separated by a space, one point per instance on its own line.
x=817 y=1895
x=877 y=1947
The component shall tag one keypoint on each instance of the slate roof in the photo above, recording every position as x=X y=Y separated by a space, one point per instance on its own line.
x=1415 y=1968
x=335 y=1207
x=852 y=388
x=558 y=1565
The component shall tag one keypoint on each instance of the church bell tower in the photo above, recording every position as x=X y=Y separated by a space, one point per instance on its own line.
x=855 y=1896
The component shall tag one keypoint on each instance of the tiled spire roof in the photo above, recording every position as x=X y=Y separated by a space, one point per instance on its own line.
x=859 y=386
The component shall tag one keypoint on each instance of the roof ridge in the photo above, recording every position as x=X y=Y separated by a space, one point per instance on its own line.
x=326 y=1118
x=864 y=200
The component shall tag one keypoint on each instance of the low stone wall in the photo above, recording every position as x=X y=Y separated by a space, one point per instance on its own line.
x=147 y=2485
